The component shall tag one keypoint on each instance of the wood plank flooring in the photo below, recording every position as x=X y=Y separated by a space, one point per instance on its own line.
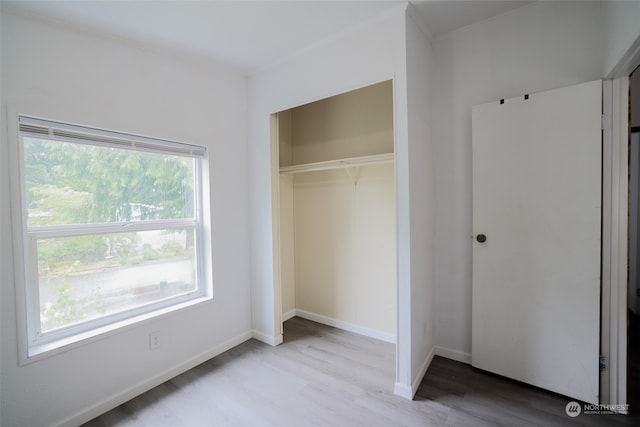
x=322 y=376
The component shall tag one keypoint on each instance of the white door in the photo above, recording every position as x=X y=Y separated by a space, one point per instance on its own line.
x=536 y=247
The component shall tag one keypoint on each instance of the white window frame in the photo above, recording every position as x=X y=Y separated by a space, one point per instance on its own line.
x=33 y=344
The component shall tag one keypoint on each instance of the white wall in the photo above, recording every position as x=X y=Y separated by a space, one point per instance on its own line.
x=418 y=322
x=287 y=236
x=287 y=246
x=621 y=35
x=541 y=46
x=61 y=74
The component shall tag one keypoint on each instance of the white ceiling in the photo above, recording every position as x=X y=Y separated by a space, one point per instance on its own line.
x=246 y=34
x=442 y=16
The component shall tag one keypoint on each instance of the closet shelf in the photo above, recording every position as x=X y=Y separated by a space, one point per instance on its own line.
x=351 y=162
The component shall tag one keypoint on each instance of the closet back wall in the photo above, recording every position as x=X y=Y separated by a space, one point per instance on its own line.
x=345 y=248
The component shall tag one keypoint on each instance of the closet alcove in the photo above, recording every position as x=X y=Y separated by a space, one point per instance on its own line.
x=336 y=231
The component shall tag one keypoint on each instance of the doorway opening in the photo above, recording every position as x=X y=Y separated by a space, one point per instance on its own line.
x=633 y=295
x=335 y=212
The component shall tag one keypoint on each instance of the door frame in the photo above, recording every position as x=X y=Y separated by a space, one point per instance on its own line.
x=615 y=137
x=615 y=205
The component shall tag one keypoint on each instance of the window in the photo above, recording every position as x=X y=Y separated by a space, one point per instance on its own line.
x=113 y=229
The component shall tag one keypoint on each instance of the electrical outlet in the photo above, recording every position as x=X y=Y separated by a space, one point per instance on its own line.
x=154 y=340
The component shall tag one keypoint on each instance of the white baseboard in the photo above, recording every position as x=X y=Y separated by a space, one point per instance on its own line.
x=403 y=390
x=415 y=384
x=117 y=399
x=452 y=354
x=267 y=339
x=408 y=392
x=372 y=333
x=288 y=315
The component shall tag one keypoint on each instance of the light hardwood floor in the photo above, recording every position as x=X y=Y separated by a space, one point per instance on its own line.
x=322 y=376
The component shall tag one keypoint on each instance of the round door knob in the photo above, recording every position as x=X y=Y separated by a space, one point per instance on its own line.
x=481 y=238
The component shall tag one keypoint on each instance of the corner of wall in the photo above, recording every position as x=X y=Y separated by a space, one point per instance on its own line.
x=273 y=341
x=450 y=353
x=409 y=391
x=621 y=37
x=404 y=391
x=412 y=14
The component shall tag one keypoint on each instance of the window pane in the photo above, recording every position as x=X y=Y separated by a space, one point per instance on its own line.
x=86 y=277
x=69 y=183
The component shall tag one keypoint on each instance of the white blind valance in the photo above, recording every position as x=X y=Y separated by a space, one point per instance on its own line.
x=60 y=131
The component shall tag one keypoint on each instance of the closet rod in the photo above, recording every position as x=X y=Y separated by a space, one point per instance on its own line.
x=350 y=162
